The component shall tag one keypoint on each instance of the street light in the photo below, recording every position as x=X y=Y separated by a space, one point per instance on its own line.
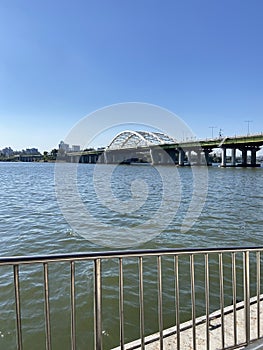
x=212 y=127
x=248 y=123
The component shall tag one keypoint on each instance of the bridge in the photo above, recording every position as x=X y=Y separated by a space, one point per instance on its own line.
x=158 y=148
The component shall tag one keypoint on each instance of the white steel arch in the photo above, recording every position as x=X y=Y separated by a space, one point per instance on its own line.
x=134 y=139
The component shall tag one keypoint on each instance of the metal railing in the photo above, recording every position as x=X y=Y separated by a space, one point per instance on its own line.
x=203 y=285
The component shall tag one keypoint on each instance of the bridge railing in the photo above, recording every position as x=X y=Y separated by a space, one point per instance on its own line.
x=128 y=295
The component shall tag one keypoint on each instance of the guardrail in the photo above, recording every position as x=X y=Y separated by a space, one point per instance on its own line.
x=216 y=277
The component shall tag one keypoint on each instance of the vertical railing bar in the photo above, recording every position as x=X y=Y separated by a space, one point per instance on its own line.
x=160 y=301
x=258 y=294
x=234 y=296
x=247 y=295
x=141 y=296
x=47 y=307
x=18 y=308
x=177 y=299
x=121 y=310
x=207 y=300
x=73 y=306
x=221 y=281
x=192 y=274
x=97 y=305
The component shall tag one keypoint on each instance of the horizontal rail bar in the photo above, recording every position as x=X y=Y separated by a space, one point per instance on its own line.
x=121 y=254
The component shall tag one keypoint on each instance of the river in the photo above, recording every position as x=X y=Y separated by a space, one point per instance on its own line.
x=33 y=223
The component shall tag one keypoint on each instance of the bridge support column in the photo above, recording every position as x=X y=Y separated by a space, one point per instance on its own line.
x=109 y=158
x=233 y=157
x=206 y=152
x=102 y=159
x=244 y=157
x=181 y=157
x=162 y=158
x=172 y=156
x=189 y=154
x=199 y=157
x=153 y=157
x=253 y=157
x=223 y=162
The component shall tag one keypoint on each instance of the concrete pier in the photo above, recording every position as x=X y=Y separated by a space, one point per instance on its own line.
x=223 y=162
x=233 y=157
x=244 y=157
x=181 y=157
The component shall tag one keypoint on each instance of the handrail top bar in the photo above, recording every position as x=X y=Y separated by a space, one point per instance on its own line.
x=13 y=260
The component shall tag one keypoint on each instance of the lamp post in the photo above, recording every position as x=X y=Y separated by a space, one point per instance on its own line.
x=248 y=123
x=212 y=127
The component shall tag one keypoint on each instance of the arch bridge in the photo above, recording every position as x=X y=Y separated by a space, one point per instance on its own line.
x=137 y=146
x=158 y=148
x=136 y=139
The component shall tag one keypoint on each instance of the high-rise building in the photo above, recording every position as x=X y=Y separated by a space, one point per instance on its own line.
x=63 y=146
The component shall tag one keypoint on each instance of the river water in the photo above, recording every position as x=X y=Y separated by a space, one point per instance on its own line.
x=229 y=213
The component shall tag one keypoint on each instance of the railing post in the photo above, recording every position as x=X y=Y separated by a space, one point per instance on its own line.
x=247 y=295
x=18 y=310
x=121 y=312
x=160 y=299
x=72 y=295
x=97 y=305
x=222 y=302
x=207 y=300
x=177 y=301
x=234 y=296
x=47 y=309
x=258 y=293
x=141 y=295
x=192 y=276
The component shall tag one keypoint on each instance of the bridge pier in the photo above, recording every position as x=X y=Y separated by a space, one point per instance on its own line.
x=112 y=158
x=254 y=157
x=109 y=158
x=75 y=159
x=223 y=155
x=206 y=152
x=173 y=158
x=202 y=156
x=244 y=157
x=233 y=157
x=189 y=155
x=153 y=155
x=199 y=157
x=103 y=158
x=164 y=157
x=181 y=157
x=160 y=156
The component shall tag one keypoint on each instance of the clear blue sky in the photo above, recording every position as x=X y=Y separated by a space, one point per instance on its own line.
x=61 y=60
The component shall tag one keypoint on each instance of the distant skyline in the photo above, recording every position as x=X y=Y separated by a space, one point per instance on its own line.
x=62 y=60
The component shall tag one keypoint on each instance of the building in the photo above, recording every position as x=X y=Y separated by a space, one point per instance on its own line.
x=75 y=148
x=63 y=146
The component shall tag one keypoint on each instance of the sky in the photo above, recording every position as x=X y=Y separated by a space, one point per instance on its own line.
x=62 y=60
